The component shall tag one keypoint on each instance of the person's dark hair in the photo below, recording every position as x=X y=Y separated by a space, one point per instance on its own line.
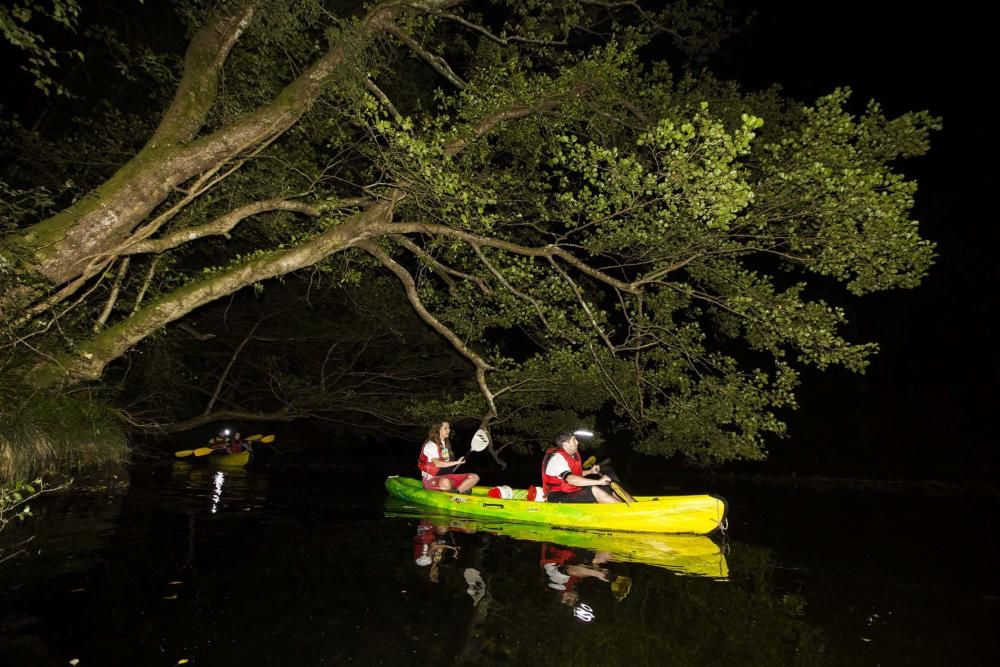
x=563 y=438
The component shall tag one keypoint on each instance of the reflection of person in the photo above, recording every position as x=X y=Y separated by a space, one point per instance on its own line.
x=435 y=456
x=564 y=568
x=564 y=479
x=429 y=548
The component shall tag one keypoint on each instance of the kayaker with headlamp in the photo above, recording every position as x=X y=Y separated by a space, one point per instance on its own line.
x=563 y=476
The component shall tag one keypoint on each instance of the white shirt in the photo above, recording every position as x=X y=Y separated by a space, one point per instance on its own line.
x=431 y=452
x=557 y=466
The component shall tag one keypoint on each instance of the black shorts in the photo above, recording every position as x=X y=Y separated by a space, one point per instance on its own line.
x=584 y=495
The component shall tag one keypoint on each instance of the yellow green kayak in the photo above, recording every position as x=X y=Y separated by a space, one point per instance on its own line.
x=648 y=514
x=694 y=555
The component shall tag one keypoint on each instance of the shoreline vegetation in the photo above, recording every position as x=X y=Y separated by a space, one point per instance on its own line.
x=43 y=434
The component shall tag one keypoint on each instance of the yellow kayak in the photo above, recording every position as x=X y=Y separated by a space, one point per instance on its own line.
x=693 y=555
x=240 y=459
x=648 y=514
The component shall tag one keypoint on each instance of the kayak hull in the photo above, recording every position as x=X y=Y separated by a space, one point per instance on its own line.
x=690 y=555
x=698 y=515
x=227 y=460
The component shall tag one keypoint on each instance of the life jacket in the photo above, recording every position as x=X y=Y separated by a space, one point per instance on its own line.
x=552 y=558
x=426 y=465
x=554 y=554
x=551 y=483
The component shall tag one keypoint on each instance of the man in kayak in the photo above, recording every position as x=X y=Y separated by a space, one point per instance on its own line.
x=435 y=456
x=564 y=479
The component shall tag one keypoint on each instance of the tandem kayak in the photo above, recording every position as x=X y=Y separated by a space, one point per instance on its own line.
x=648 y=514
x=691 y=555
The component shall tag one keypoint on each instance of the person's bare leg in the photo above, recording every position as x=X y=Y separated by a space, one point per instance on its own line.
x=444 y=484
x=603 y=496
x=469 y=482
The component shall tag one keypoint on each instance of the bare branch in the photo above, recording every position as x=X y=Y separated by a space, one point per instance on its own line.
x=439 y=64
x=113 y=297
x=527 y=251
x=229 y=366
x=510 y=288
x=456 y=342
x=583 y=304
x=483 y=30
x=145 y=284
x=383 y=98
x=220 y=226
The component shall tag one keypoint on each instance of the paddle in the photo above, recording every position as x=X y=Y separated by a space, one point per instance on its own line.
x=622 y=493
x=480 y=441
x=205 y=451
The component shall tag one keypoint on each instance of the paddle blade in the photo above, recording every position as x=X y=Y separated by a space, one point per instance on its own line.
x=591 y=460
x=621 y=587
x=480 y=441
x=255 y=437
x=184 y=452
x=620 y=492
x=203 y=451
x=267 y=439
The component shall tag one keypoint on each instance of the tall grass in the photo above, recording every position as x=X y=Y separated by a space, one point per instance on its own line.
x=41 y=433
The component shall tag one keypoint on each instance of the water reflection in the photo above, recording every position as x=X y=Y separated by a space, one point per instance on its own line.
x=695 y=555
x=298 y=567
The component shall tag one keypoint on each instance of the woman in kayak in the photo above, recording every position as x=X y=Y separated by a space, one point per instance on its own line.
x=435 y=456
x=565 y=481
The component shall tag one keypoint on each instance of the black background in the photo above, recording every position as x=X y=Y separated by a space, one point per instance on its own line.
x=925 y=406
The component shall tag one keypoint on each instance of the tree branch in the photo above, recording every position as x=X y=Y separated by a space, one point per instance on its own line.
x=225 y=223
x=225 y=371
x=439 y=64
x=203 y=63
x=441 y=269
x=113 y=297
x=411 y=293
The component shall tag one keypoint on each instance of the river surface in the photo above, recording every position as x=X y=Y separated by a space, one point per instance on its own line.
x=299 y=566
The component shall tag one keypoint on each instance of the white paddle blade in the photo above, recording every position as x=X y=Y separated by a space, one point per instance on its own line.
x=480 y=441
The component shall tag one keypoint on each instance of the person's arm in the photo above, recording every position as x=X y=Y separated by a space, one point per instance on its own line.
x=576 y=480
x=444 y=463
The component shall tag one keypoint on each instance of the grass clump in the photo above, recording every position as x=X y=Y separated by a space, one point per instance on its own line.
x=63 y=433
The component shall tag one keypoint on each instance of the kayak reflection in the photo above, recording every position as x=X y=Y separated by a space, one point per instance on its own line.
x=692 y=555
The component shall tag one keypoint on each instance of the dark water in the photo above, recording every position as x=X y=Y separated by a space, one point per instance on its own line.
x=297 y=566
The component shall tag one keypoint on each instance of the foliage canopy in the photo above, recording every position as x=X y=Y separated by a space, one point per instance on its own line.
x=590 y=226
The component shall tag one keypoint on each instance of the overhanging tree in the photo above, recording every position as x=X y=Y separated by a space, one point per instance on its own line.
x=552 y=203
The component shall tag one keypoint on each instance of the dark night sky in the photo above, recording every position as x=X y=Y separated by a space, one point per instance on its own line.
x=924 y=408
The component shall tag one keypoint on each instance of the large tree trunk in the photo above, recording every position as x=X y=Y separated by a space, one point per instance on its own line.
x=57 y=250
x=90 y=358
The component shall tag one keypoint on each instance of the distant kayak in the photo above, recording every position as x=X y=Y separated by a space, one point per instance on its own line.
x=648 y=514
x=693 y=555
x=240 y=459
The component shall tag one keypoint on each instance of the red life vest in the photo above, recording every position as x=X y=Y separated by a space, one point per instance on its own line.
x=551 y=483
x=554 y=554
x=426 y=465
